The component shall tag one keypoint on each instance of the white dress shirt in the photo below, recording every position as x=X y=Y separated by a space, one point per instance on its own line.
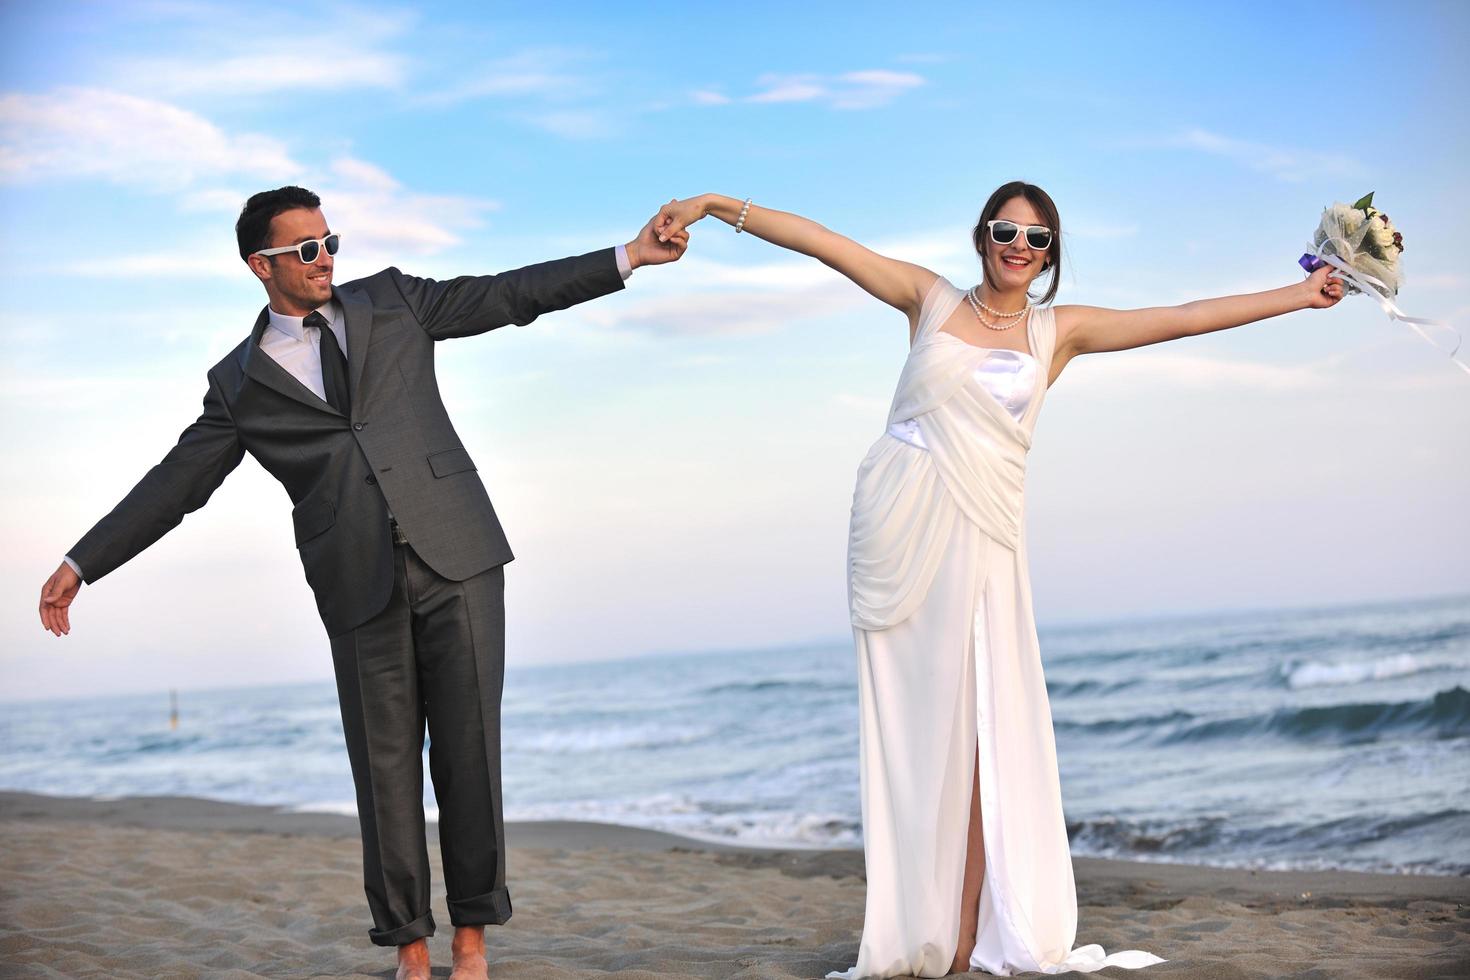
x=299 y=350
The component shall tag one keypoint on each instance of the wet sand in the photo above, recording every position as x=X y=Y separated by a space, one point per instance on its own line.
x=171 y=887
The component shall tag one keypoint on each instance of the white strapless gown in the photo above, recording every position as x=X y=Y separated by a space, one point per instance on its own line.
x=949 y=666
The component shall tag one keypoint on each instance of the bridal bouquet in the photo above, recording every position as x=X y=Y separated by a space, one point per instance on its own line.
x=1364 y=247
x=1362 y=237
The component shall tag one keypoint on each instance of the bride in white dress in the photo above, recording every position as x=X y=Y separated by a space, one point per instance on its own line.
x=966 y=848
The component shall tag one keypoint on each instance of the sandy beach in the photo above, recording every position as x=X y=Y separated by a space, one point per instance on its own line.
x=174 y=887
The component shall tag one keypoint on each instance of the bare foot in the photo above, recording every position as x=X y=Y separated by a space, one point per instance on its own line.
x=961 y=962
x=469 y=954
x=413 y=961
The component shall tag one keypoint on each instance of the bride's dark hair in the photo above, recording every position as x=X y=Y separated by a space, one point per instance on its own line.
x=1042 y=202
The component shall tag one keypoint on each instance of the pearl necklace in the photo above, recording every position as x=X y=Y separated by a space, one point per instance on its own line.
x=977 y=306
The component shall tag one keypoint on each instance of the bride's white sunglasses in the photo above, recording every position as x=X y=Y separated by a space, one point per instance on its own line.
x=1038 y=237
x=307 y=251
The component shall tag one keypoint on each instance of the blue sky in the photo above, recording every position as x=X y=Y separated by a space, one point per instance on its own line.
x=674 y=463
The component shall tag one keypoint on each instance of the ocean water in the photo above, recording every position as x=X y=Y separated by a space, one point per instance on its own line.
x=1305 y=738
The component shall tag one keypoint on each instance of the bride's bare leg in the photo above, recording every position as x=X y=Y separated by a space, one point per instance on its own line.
x=974 y=878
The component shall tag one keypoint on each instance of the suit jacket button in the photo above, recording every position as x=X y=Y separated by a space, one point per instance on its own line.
x=358 y=425
x=372 y=481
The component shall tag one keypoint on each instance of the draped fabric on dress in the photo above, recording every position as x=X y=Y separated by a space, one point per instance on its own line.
x=949 y=663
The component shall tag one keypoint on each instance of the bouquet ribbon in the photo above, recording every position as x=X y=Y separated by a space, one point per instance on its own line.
x=1370 y=286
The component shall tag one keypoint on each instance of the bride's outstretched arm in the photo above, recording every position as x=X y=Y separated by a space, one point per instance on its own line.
x=899 y=284
x=1088 y=329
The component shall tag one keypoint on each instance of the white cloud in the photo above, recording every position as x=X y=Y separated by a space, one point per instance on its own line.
x=722 y=299
x=575 y=123
x=227 y=50
x=108 y=135
x=216 y=260
x=1362 y=368
x=301 y=68
x=872 y=89
x=513 y=82
x=542 y=73
x=944 y=250
x=1280 y=162
x=380 y=222
x=799 y=88
x=186 y=331
x=789 y=274
x=1192 y=371
x=883 y=78
x=364 y=175
x=379 y=219
x=557 y=90
x=866 y=89
x=724 y=313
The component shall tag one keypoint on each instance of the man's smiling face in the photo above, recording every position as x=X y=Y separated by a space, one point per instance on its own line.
x=295 y=287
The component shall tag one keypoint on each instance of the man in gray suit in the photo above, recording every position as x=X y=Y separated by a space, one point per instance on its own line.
x=334 y=394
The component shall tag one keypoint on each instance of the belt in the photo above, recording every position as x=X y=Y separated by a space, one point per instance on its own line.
x=398 y=536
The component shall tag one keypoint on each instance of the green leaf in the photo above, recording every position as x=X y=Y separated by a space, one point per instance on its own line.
x=1364 y=203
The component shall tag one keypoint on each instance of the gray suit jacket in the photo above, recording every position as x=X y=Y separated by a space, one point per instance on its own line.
x=397 y=451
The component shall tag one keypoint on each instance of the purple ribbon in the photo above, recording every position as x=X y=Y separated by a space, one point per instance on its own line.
x=1310 y=262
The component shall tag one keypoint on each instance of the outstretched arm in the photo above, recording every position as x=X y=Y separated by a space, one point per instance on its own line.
x=470 y=305
x=901 y=285
x=206 y=453
x=1090 y=329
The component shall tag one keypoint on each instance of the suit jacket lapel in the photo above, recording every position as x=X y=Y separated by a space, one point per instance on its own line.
x=263 y=368
x=358 y=310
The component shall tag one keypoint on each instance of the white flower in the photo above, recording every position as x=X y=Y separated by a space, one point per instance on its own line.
x=1380 y=237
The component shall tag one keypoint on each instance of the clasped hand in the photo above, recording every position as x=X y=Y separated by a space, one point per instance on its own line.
x=653 y=248
x=674 y=218
x=1324 y=288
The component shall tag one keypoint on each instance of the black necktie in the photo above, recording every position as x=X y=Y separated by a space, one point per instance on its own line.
x=334 y=365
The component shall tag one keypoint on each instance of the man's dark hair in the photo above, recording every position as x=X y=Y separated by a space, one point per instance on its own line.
x=253 y=229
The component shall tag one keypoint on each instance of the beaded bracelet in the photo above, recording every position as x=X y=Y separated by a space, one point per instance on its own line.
x=740 y=223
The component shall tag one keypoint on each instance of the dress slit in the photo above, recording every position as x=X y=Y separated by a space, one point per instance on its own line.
x=965 y=850
x=990 y=942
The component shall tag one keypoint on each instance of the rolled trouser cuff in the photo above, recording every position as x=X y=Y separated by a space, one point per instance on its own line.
x=420 y=928
x=489 y=909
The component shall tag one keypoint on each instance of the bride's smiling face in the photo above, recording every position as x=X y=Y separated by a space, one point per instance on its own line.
x=1016 y=265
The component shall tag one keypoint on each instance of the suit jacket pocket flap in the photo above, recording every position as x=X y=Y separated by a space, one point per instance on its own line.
x=450 y=461
x=312 y=518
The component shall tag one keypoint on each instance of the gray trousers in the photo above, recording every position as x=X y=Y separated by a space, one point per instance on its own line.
x=436 y=653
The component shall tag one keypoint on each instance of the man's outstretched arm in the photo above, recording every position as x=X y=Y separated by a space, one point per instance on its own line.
x=206 y=453
x=471 y=305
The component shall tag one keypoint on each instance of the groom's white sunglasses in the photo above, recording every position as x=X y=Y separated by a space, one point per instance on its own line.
x=1038 y=237
x=307 y=252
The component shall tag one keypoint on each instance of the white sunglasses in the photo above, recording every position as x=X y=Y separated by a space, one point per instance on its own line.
x=1002 y=232
x=307 y=252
